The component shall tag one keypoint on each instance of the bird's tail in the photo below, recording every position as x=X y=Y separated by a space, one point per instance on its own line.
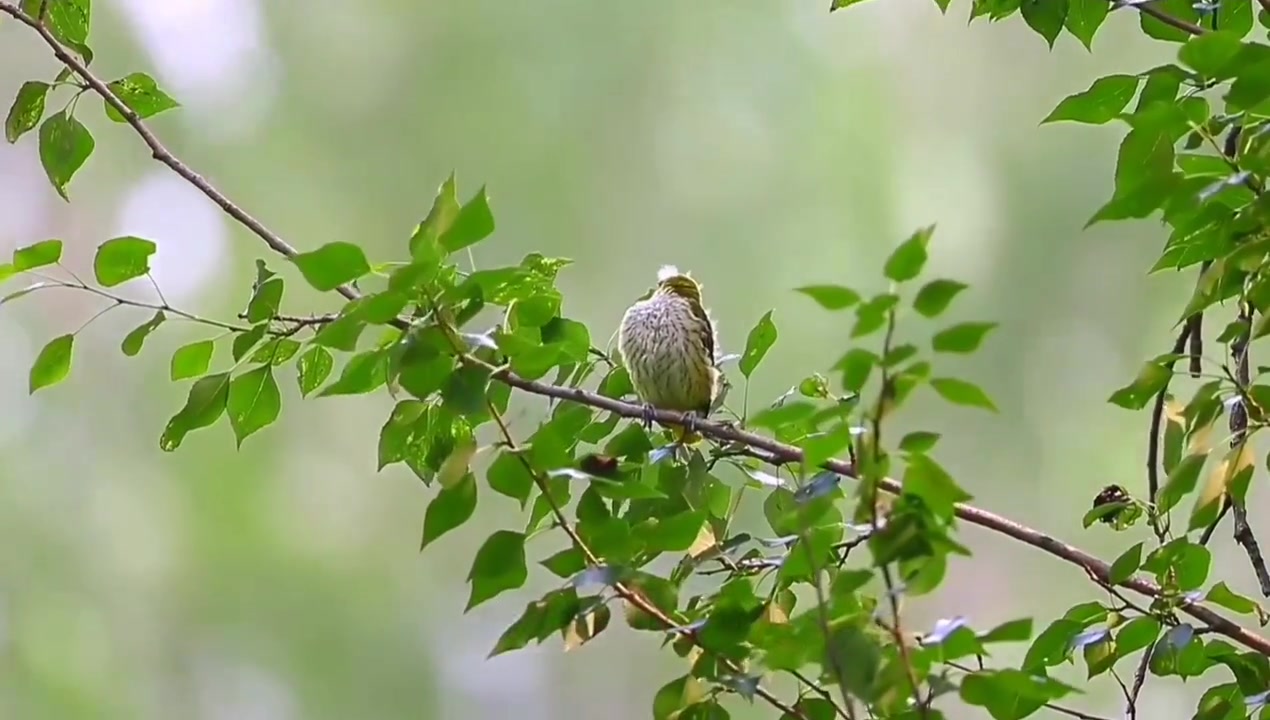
x=686 y=437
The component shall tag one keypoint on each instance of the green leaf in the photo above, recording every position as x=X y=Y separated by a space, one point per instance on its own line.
x=314 y=367
x=1011 y=694
x=566 y=563
x=962 y=338
x=451 y=508
x=907 y=260
x=27 y=109
x=6 y=271
x=121 y=259
x=1178 y=10
x=45 y=252
x=871 y=316
x=499 y=566
x=1010 y=631
x=425 y=244
x=1126 y=565
x=761 y=338
x=65 y=145
x=961 y=392
x=1181 y=481
x=464 y=390
x=1046 y=17
x=926 y=479
x=1210 y=54
x=672 y=534
x=254 y=402
x=192 y=360
x=1101 y=103
x=1136 y=634
x=133 y=341
x=276 y=351
x=919 y=441
x=332 y=265
x=1084 y=17
x=840 y=4
x=935 y=296
x=473 y=223
x=1235 y=17
x=341 y=333
x=856 y=366
x=1151 y=379
x=831 y=297
x=204 y=406
x=508 y=476
x=53 y=363
x=245 y=341
x=1221 y=594
x=265 y=301
x=67 y=19
x=141 y=94
x=363 y=373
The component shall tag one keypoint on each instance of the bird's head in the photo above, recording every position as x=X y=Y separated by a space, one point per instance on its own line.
x=670 y=281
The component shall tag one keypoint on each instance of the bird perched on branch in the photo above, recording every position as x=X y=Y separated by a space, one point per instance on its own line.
x=667 y=341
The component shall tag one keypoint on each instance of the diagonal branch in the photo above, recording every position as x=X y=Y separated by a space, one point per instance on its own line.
x=717 y=431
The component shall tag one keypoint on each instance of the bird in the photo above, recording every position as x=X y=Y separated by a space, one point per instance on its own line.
x=668 y=344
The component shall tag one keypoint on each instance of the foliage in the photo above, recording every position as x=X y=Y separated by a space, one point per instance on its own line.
x=818 y=592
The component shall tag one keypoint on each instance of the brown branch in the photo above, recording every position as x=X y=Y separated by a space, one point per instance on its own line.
x=1239 y=430
x=717 y=431
x=1153 y=441
x=157 y=150
x=1147 y=8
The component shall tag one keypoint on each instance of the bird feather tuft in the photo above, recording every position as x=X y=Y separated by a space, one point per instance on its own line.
x=666 y=272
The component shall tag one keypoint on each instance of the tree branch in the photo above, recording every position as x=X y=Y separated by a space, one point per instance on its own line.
x=717 y=431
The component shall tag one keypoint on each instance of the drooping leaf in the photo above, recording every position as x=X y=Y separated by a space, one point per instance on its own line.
x=27 y=109
x=254 y=402
x=1084 y=17
x=1046 y=17
x=133 y=341
x=314 y=367
x=53 y=363
x=452 y=507
x=65 y=145
x=204 y=406
x=499 y=566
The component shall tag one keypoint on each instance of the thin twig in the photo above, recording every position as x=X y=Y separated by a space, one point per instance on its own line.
x=716 y=431
x=1139 y=679
x=1239 y=351
x=1148 y=8
x=1153 y=440
x=630 y=595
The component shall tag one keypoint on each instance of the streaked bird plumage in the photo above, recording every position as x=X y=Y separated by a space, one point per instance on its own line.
x=668 y=344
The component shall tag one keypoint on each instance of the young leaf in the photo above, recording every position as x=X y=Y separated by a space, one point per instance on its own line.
x=204 y=406
x=265 y=301
x=314 y=367
x=27 y=109
x=332 y=265
x=140 y=93
x=192 y=360
x=65 y=145
x=53 y=363
x=907 y=260
x=253 y=402
x=449 y=509
x=761 y=338
x=499 y=566
x=1101 y=103
x=473 y=223
x=960 y=392
x=121 y=259
x=831 y=297
x=962 y=338
x=133 y=341
x=45 y=252
x=935 y=296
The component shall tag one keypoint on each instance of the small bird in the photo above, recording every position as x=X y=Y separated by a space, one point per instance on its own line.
x=668 y=343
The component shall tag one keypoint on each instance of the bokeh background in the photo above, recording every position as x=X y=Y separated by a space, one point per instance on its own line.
x=763 y=145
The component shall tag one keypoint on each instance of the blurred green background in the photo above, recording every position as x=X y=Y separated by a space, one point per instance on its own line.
x=762 y=145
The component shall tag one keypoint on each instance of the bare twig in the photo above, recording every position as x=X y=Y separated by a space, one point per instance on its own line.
x=1148 y=8
x=1239 y=430
x=1153 y=441
x=1139 y=679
